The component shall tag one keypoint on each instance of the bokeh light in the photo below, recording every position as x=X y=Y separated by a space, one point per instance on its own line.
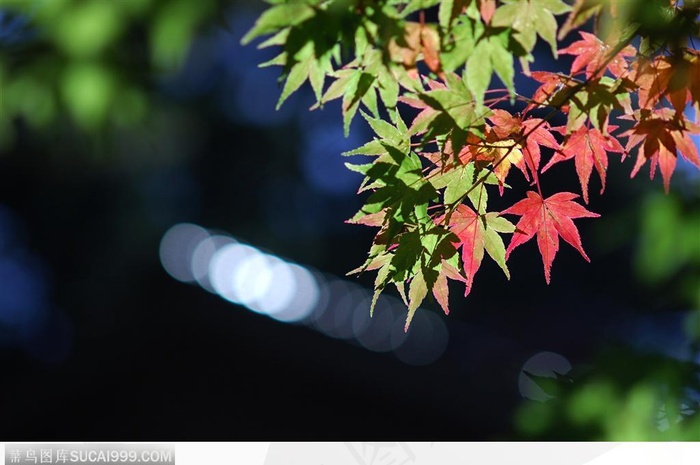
x=304 y=298
x=177 y=248
x=424 y=343
x=261 y=282
x=201 y=258
x=223 y=266
x=543 y=364
x=374 y=332
x=252 y=278
x=291 y=293
x=344 y=299
x=281 y=287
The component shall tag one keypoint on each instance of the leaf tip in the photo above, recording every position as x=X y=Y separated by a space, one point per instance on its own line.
x=547 y=274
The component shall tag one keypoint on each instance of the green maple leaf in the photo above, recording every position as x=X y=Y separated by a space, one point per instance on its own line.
x=400 y=190
x=456 y=109
x=305 y=66
x=415 y=5
x=278 y=17
x=432 y=262
x=458 y=44
x=490 y=54
x=394 y=136
x=530 y=18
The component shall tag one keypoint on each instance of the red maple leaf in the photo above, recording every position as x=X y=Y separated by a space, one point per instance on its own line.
x=477 y=233
x=592 y=54
x=548 y=218
x=464 y=223
x=588 y=147
x=537 y=133
x=661 y=135
x=552 y=83
x=487 y=8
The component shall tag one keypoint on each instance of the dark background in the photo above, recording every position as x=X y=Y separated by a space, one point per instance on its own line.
x=98 y=342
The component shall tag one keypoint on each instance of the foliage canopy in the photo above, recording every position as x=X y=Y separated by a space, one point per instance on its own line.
x=421 y=73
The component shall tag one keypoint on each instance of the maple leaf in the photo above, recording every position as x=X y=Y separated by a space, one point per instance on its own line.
x=581 y=12
x=592 y=54
x=277 y=17
x=552 y=84
x=450 y=10
x=354 y=85
x=595 y=102
x=588 y=147
x=477 y=233
x=530 y=134
x=537 y=133
x=405 y=48
x=419 y=40
x=531 y=18
x=490 y=54
x=661 y=135
x=430 y=43
x=548 y=218
x=675 y=77
x=505 y=124
x=487 y=8
x=430 y=260
x=501 y=154
x=457 y=172
x=694 y=73
x=441 y=290
x=653 y=78
x=427 y=113
x=456 y=101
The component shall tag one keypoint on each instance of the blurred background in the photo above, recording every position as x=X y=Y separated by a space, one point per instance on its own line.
x=173 y=255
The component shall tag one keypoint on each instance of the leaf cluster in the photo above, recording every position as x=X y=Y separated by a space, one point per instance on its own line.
x=444 y=142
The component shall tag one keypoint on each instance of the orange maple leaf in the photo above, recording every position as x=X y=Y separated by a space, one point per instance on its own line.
x=661 y=135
